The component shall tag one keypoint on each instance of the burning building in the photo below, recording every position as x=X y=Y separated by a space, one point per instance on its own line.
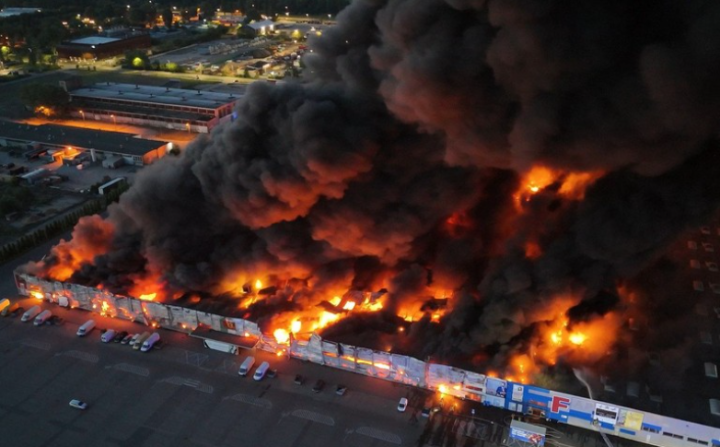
x=477 y=182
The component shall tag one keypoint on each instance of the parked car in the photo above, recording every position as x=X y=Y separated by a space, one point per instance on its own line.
x=271 y=374
x=54 y=320
x=402 y=405
x=120 y=336
x=17 y=312
x=319 y=385
x=341 y=390
x=127 y=339
x=159 y=344
x=298 y=379
x=80 y=405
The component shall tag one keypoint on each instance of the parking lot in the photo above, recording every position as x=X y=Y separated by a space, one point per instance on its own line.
x=179 y=395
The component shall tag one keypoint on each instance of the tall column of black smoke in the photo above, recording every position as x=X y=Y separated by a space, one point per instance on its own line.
x=413 y=110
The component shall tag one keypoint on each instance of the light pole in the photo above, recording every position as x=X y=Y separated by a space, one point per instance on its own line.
x=114 y=121
x=187 y=126
x=83 y=115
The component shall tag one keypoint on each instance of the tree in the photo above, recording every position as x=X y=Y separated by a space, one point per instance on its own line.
x=137 y=59
x=45 y=98
x=167 y=17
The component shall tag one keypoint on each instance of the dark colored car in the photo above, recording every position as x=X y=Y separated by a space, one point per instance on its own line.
x=299 y=379
x=54 y=320
x=17 y=312
x=158 y=344
x=272 y=373
x=119 y=336
x=319 y=385
x=127 y=339
x=341 y=390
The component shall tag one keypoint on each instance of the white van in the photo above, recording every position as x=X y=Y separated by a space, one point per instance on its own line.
x=148 y=344
x=246 y=366
x=108 y=336
x=30 y=313
x=141 y=339
x=260 y=372
x=42 y=317
x=86 y=328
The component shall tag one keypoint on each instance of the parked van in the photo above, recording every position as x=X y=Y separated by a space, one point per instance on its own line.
x=4 y=303
x=108 y=336
x=42 y=317
x=141 y=339
x=30 y=313
x=246 y=366
x=148 y=344
x=260 y=372
x=9 y=309
x=86 y=328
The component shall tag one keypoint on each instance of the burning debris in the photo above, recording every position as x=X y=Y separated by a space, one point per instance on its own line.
x=487 y=173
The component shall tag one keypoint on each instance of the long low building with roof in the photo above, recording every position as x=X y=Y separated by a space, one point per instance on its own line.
x=105 y=46
x=66 y=141
x=144 y=105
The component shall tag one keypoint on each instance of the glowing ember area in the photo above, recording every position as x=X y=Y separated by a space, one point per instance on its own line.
x=281 y=336
x=36 y=294
x=148 y=296
x=350 y=305
x=295 y=326
x=577 y=338
x=538 y=178
x=258 y=284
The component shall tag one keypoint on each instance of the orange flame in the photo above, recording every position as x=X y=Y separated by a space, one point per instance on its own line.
x=281 y=336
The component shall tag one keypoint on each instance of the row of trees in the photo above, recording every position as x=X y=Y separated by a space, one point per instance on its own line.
x=58 y=226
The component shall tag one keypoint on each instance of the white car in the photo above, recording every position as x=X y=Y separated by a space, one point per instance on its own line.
x=80 y=405
x=402 y=405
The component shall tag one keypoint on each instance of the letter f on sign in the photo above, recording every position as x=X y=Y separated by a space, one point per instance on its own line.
x=558 y=403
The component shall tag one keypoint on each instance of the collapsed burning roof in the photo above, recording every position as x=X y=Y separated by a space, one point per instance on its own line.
x=520 y=160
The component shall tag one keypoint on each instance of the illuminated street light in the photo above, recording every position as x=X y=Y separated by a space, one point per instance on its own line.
x=187 y=126
x=114 y=120
x=83 y=115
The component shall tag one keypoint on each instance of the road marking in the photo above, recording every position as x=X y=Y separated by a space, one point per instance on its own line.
x=257 y=401
x=80 y=355
x=36 y=344
x=380 y=435
x=228 y=367
x=132 y=369
x=192 y=383
x=315 y=417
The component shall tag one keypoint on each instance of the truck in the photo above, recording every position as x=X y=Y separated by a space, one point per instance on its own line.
x=151 y=340
x=30 y=313
x=220 y=346
x=140 y=340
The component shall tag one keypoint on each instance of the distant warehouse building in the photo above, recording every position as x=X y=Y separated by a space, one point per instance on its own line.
x=111 y=44
x=143 y=105
x=51 y=142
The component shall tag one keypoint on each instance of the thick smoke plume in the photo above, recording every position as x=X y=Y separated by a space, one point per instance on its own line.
x=498 y=170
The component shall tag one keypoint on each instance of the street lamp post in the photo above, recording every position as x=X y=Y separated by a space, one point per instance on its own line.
x=187 y=126
x=83 y=115
x=114 y=120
